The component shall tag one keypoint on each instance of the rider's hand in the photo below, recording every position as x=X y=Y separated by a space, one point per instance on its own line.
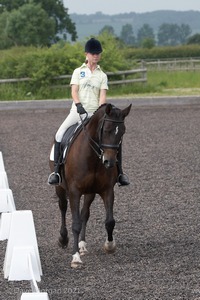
x=80 y=109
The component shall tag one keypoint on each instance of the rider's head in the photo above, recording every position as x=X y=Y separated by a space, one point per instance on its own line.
x=93 y=46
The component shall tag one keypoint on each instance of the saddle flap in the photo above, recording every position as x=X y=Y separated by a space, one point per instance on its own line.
x=69 y=136
x=67 y=139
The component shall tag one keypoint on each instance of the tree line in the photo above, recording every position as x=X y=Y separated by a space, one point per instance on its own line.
x=167 y=35
x=45 y=22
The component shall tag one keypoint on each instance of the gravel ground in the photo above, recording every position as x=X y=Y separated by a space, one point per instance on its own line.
x=157 y=217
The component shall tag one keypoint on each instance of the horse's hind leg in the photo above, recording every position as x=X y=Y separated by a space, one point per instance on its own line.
x=63 y=239
x=85 y=214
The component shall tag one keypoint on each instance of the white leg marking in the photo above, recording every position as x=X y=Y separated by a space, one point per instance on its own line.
x=76 y=260
x=110 y=247
x=82 y=248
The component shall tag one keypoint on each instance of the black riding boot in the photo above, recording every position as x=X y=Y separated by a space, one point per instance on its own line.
x=122 y=178
x=55 y=178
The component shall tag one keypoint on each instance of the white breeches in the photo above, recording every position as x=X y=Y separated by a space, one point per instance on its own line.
x=71 y=119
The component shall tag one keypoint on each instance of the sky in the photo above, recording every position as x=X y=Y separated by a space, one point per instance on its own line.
x=112 y=7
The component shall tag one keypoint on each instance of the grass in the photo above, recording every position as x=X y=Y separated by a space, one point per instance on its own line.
x=171 y=80
x=162 y=83
x=179 y=83
x=159 y=83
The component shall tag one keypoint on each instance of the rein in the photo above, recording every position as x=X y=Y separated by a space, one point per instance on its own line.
x=98 y=148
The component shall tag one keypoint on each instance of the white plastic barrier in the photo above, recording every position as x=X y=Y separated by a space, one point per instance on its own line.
x=5 y=220
x=7 y=203
x=2 y=168
x=34 y=296
x=22 y=248
x=22 y=261
x=3 y=180
x=24 y=264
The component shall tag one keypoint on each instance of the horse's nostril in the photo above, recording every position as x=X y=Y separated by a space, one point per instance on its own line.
x=108 y=164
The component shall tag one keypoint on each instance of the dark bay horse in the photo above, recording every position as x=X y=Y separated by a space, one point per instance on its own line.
x=91 y=168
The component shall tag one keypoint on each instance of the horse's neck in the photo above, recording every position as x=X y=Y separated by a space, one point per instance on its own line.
x=93 y=125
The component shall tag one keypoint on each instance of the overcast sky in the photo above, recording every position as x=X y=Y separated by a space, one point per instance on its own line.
x=125 y=6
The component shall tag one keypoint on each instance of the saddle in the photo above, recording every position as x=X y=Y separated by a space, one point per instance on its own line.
x=68 y=138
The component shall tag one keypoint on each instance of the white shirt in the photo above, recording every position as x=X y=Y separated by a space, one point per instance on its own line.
x=90 y=84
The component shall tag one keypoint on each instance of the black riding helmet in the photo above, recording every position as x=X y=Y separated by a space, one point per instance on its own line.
x=93 y=46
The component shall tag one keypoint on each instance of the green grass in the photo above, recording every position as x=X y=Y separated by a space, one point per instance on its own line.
x=159 y=83
x=181 y=79
x=162 y=83
x=19 y=91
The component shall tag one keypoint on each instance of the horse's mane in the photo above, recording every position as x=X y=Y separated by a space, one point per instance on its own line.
x=115 y=110
x=102 y=105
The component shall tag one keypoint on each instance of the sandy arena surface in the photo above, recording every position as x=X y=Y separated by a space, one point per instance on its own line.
x=157 y=217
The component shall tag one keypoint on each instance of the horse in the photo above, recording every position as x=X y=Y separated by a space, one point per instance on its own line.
x=89 y=169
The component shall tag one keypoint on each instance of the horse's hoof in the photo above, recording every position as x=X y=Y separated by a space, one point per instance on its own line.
x=76 y=265
x=109 y=247
x=82 y=248
x=76 y=261
x=83 y=252
x=63 y=243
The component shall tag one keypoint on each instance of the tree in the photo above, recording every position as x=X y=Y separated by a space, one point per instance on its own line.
x=113 y=59
x=108 y=29
x=5 y=41
x=28 y=25
x=173 y=34
x=185 y=32
x=54 y=8
x=148 y=43
x=194 y=39
x=144 y=33
x=127 y=35
x=168 y=34
x=10 y=4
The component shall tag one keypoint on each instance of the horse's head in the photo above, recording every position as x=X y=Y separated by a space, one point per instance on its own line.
x=111 y=131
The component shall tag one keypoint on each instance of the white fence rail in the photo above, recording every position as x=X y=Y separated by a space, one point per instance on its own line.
x=192 y=64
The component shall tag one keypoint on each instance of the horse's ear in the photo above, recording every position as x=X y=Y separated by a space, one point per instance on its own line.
x=108 y=108
x=126 y=111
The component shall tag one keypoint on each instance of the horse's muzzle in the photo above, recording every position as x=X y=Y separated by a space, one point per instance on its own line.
x=108 y=162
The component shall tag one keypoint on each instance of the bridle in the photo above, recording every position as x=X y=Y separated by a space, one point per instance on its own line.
x=98 y=148
x=108 y=146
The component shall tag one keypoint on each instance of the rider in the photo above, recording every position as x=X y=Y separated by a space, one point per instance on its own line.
x=88 y=90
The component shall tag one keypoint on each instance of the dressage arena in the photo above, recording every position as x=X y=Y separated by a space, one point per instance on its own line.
x=157 y=217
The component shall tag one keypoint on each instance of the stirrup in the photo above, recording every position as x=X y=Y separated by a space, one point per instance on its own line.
x=126 y=179
x=59 y=179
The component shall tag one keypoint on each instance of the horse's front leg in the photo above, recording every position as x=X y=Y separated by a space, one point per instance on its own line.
x=76 y=228
x=108 y=198
x=61 y=193
x=85 y=214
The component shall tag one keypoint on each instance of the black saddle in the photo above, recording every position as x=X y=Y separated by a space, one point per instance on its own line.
x=69 y=136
